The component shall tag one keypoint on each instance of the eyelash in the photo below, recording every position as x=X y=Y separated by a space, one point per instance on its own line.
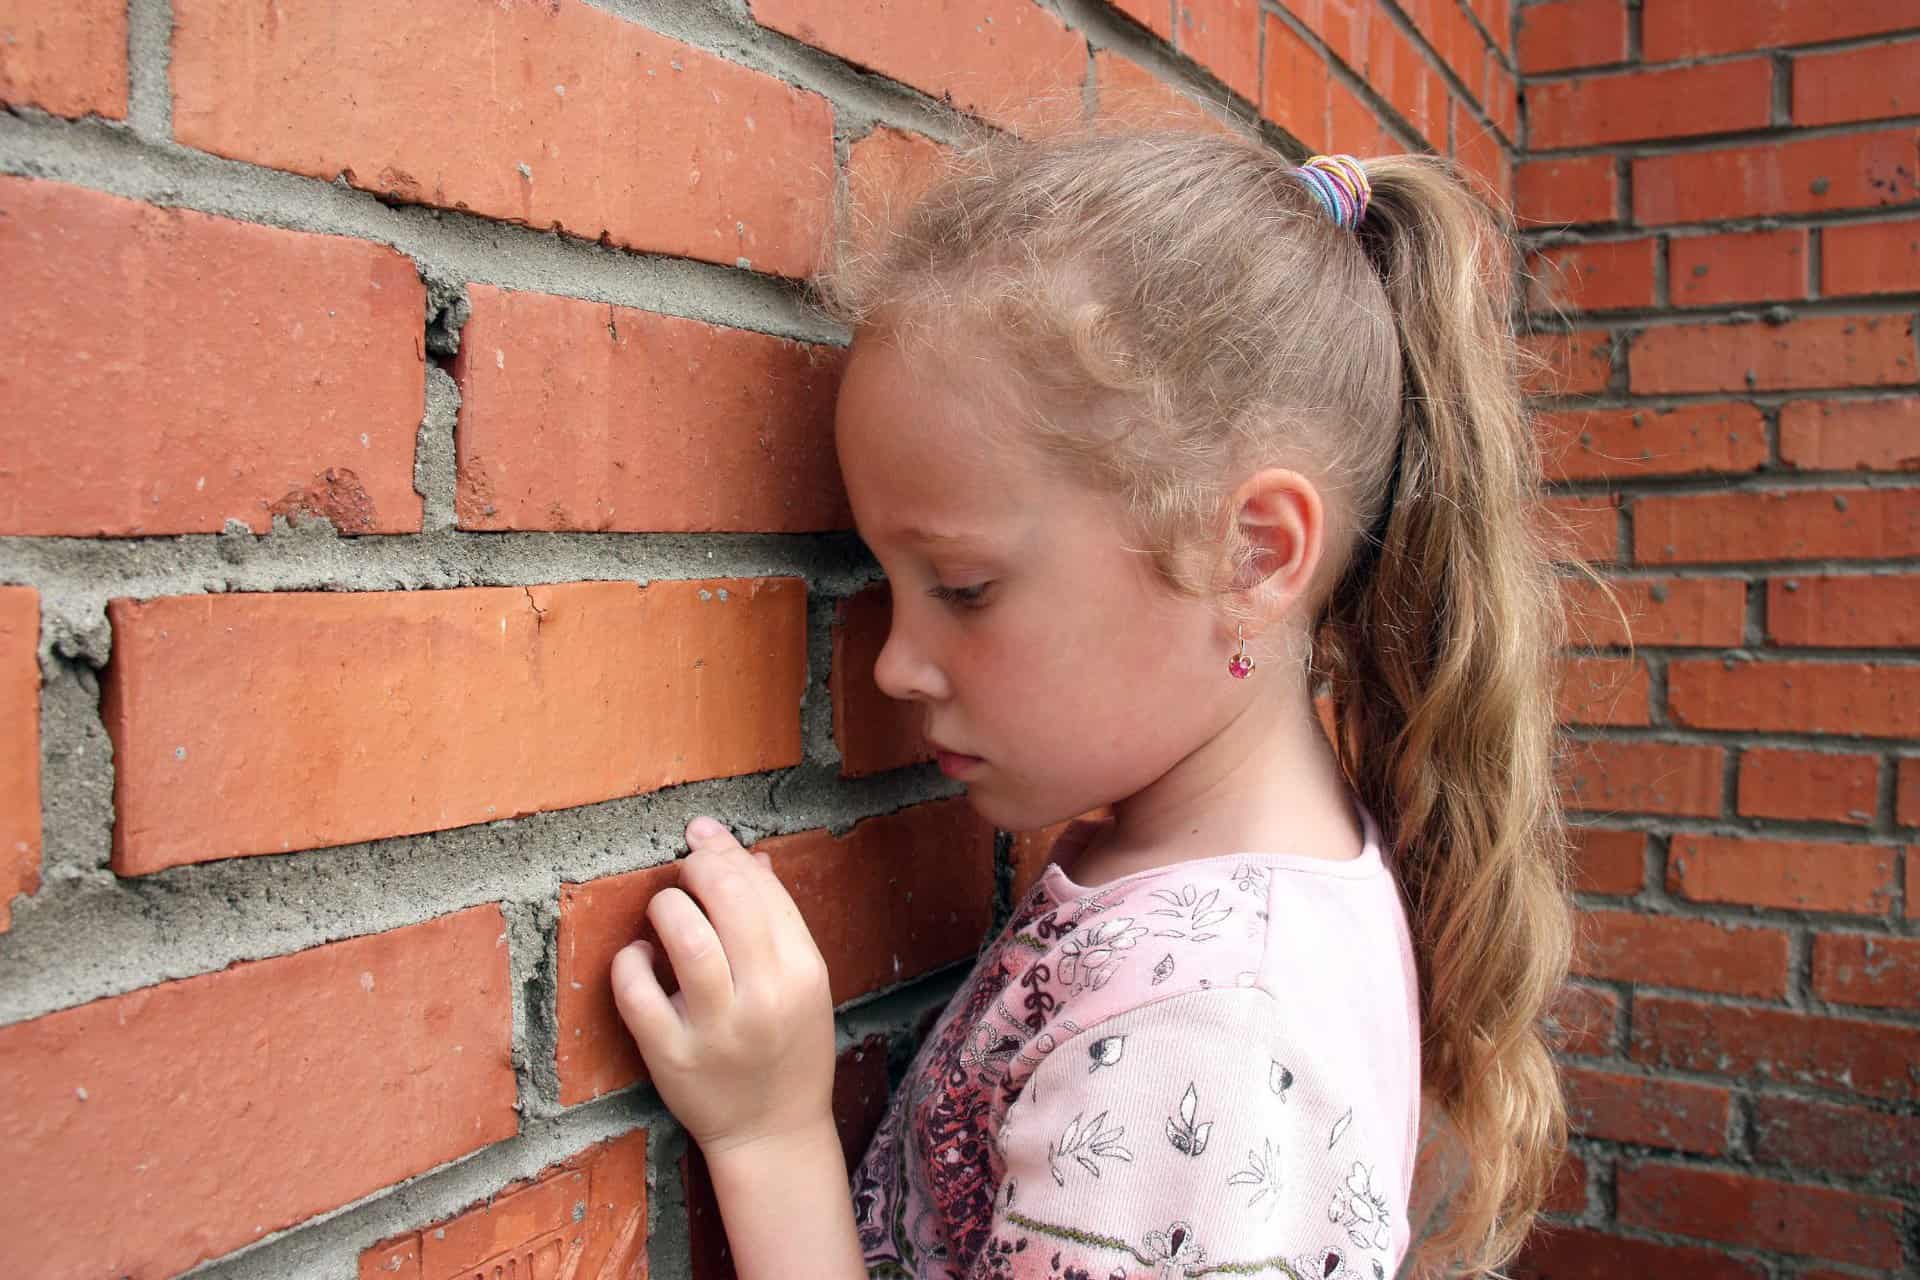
x=964 y=597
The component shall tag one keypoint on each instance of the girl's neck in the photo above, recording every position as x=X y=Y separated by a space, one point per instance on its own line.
x=1268 y=781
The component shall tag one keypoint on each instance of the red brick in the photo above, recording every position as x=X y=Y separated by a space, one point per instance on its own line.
x=1848 y=1140
x=1810 y=786
x=1562 y=34
x=1577 y=1253
x=1807 y=175
x=1355 y=127
x=260 y=723
x=1756 y=1212
x=1155 y=15
x=586 y=1215
x=1224 y=37
x=1589 y=444
x=1341 y=24
x=1501 y=98
x=1584 y=1019
x=1293 y=92
x=1598 y=276
x=1907 y=811
x=1812 y=351
x=731 y=164
x=1673 y=951
x=1871 y=257
x=1874 y=83
x=991 y=58
x=1678 y=102
x=1571 y=189
x=578 y=415
x=20 y=769
x=1800 y=524
x=1444 y=25
x=1784 y=1046
x=1608 y=775
x=1693 y=28
x=1587 y=528
x=1606 y=861
x=1792 y=875
x=1481 y=155
x=1647 y=1111
x=1855 y=968
x=67 y=59
x=1663 y=611
x=167 y=370
x=376 y=1058
x=1849 y=611
x=1577 y=363
x=1397 y=69
x=896 y=897
x=1851 y=435
x=859 y=1103
x=1742 y=266
x=1129 y=93
x=1603 y=691
x=889 y=169
x=1913 y=884
x=1568 y=1192
x=1795 y=697
x=873 y=731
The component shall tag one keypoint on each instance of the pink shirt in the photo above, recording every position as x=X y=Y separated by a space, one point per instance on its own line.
x=1208 y=1066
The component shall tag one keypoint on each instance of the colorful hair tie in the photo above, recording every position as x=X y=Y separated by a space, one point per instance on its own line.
x=1340 y=185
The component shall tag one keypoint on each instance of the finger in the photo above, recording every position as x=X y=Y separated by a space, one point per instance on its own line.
x=693 y=948
x=643 y=1003
x=731 y=889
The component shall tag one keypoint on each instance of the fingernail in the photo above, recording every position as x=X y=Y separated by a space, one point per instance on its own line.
x=704 y=827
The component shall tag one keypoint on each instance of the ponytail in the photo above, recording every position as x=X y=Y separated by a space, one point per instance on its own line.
x=1440 y=646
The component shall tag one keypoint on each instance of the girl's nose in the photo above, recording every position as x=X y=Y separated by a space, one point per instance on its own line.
x=905 y=670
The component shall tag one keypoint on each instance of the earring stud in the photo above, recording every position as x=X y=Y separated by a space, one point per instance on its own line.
x=1240 y=666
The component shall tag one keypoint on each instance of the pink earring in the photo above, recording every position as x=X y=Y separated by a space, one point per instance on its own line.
x=1240 y=665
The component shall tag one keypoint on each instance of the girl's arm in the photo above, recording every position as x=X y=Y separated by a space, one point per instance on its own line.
x=742 y=1055
x=786 y=1208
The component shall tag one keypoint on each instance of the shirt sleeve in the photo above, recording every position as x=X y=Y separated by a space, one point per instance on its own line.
x=1197 y=1134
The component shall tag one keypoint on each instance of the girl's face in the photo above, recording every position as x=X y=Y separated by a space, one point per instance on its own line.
x=1029 y=634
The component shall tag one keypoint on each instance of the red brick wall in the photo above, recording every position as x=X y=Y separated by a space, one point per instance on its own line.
x=1724 y=205
x=417 y=499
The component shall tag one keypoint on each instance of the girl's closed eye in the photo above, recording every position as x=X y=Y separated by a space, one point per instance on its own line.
x=965 y=597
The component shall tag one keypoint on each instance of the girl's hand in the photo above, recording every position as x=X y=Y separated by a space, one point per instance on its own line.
x=744 y=1050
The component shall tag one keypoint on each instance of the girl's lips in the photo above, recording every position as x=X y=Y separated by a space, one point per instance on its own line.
x=954 y=765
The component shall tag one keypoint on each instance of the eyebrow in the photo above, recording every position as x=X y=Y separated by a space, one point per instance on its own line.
x=935 y=537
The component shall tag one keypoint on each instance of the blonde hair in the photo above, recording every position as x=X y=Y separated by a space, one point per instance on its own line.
x=1168 y=308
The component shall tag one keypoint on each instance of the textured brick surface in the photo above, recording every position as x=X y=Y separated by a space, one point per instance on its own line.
x=896 y=897
x=521 y=112
x=579 y=415
x=165 y=371
x=1850 y=610
x=873 y=731
x=1567 y=189
x=1670 y=951
x=176 y=1106
x=1843 y=435
x=1605 y=776
x=1781 y=1046
x=1586 y=444
x=986 y=57
x=585 y=1216
x=1738 y=1209
x=1678 y=102
x=20 y=767
x=1799 y=524
x=69 y=59
x=1794 y=175
x=1794 y=875
x=438 y=708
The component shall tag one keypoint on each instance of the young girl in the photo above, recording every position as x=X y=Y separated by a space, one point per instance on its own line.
x=1152 y=430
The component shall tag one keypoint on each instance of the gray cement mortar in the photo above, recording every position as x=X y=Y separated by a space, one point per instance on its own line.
x=88 y=934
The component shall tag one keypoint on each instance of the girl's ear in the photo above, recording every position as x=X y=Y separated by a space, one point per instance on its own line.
x=1281 y=523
